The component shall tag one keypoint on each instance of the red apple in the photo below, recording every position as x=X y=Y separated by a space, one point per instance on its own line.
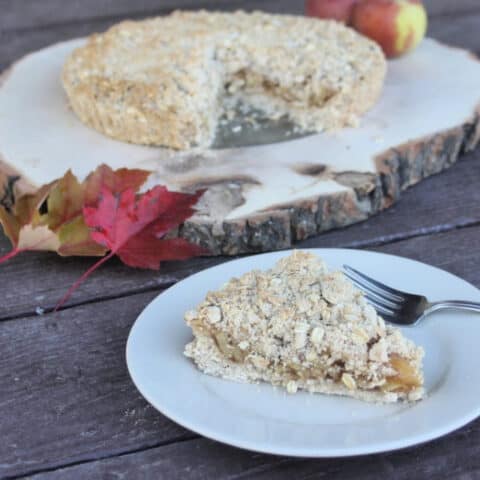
x=397 y=26
x=340 y=10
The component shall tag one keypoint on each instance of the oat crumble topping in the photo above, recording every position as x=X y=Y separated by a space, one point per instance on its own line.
x=302 y=327
x=168 y=80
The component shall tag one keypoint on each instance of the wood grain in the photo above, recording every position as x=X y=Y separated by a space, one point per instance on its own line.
x=41 y=279
x=65 y=396
x=204 y=459
x=247 y=209
x=447 y=7
x=459 y=31
x=73 y=402
x=26 y=14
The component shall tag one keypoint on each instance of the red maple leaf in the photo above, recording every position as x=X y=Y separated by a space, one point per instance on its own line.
x=133 y=227
x=115 y=180
x=52 y=217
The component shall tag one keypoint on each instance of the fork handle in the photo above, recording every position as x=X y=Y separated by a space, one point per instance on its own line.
x=456 y=304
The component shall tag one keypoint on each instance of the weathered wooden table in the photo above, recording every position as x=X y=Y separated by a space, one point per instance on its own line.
x=67 y=406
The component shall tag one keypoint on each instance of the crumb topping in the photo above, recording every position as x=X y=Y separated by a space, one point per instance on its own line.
x=298 y=322
x=168 y=77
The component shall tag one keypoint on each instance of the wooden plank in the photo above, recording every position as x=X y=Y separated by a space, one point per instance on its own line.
x=25 y=14
x=65 y=396
x=457 y=31
x=435 y=205
x=36 y=282
x=447 y=7
x=40 y=279
x=16 y=43
x=460 y=31
x=203 y=459
x=457 y=251
x=258 y=208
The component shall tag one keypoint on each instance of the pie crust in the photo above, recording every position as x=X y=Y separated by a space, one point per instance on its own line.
x=302 y=327
x=167 y=80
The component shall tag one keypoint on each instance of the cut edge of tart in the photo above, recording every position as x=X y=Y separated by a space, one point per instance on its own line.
x=167 y=80
x=302 y=327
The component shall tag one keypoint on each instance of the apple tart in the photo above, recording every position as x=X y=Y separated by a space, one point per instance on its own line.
x=300 y=326
x=168 y=80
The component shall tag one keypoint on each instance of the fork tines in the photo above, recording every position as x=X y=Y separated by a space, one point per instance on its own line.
x=386 y=300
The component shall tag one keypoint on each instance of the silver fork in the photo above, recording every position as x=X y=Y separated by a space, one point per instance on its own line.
x=400 y=307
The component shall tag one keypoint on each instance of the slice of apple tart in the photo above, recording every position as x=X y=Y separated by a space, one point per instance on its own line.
x=302 y=327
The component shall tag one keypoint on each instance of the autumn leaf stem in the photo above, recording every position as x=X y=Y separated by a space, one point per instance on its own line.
x=83 y=278
x=11 y=254
x=104 y=212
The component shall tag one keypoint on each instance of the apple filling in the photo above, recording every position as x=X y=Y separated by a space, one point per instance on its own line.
x=248 y=82
x=406 y=378
x=302 y=327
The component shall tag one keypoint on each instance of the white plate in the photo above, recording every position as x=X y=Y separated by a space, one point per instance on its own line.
x=266 y=419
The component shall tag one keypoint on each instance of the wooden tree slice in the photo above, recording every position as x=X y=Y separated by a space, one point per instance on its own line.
x=260 y=197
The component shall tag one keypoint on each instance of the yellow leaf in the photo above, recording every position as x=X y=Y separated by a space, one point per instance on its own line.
x=75 y=240
x=26 y=208
x=37 y=238
x=65 y=201
x=10 y=225
x=52 y=217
